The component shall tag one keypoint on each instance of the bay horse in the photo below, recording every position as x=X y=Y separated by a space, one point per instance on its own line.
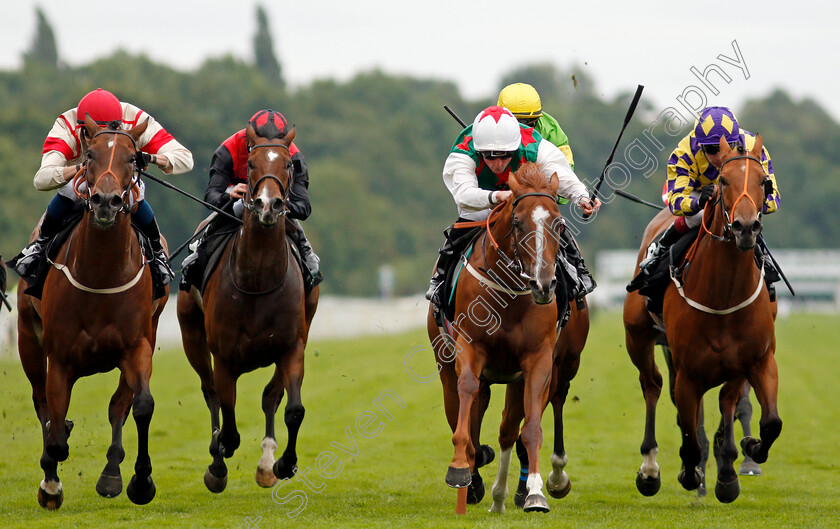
x=720 y=326
x=504 y=328
x=96 y=314
x=253 y=314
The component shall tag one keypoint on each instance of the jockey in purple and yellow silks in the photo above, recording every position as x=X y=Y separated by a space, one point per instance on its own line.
x=693 y=170
x=476 y=173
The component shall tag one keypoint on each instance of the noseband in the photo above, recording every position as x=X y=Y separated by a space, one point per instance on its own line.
x=82 y=177
x=727 y=226
x=249 y=202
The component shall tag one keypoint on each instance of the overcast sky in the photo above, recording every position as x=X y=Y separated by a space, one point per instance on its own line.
x=792 y=45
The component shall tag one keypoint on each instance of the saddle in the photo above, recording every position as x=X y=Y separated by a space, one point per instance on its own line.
x=36 y=288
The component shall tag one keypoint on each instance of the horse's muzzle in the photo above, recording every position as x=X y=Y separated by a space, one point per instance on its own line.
x=269 y=211
x=105 y=207
x=746 y=233
x=542 y=294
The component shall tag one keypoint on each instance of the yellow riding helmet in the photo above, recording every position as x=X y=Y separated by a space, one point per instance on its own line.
x=521 y=99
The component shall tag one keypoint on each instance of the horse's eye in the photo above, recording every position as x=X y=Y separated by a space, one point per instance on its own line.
x=516 y=224
x=722 y=182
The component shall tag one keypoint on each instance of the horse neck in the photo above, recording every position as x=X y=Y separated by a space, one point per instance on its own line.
x=720 y=268
x=261 y=254
x=94 y=253
x=501 y=231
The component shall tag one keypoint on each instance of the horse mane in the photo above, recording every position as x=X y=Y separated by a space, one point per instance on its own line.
x=113 y=125
x=530 y=175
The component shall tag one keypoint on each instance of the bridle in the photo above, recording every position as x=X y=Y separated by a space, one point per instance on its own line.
x=81 y=176
x=248 y=202
x=727 y=217
x=514 y=264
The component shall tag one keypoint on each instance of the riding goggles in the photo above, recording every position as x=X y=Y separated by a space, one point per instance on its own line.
x=714 y=149
x=495 y=155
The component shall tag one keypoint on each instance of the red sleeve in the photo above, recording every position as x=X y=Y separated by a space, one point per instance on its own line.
x=158 y=140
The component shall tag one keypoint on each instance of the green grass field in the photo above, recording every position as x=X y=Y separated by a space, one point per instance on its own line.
x=394 y=476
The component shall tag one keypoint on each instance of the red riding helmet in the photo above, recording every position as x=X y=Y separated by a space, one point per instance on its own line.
x=269 y=124
x=102 y=105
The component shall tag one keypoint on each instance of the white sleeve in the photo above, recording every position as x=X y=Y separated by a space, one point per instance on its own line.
x=459 y=177
x=51 y=173
x=180 y=158
x=552 y=160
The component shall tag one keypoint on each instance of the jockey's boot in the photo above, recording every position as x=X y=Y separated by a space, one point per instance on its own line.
x=29 y=260
x=585 y=282
x=311 y=261
x=433 y=294
x=159 y=265
x=650 y=263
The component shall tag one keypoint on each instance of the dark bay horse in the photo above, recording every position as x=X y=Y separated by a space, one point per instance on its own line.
x=720 y=326
x=505 y=322
x=96 y=314
x=253 y=314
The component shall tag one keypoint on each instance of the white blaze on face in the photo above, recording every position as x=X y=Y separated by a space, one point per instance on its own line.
x=111 y=144
x=539 y=216
x=272 y=156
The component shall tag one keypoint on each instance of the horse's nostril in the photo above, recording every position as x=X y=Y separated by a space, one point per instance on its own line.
x=258 y=203
x=115 y=202
x=96 y=199
x=737 y=226
x=277 y=204
x=756 y=227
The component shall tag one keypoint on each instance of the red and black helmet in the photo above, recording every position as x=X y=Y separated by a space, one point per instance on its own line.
x=269 y=124
x=102 y=105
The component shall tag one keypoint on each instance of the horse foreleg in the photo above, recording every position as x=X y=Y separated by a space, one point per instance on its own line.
x=765 y=381
x=137 y=371
x=558 y=483
x=743 y=413
x=727 y=487
x=484 y=453
x=109 y=484
x=227 y=438
x=470 y=365
x=272 y=394
x=688 y=399
x=292 y=370
x=537 y=370
x=56 y=430
x=508 y=436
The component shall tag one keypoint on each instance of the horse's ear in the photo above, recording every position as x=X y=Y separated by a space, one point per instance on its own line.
x=251 y=134
x=91 y=126
x=554 y=184
x=287 y=139
x=513 y=183
x=759 y=145
x=725 y=149
x=138 y=131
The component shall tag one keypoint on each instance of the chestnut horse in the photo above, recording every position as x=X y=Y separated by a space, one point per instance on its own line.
x=253 y=314
x=719 y=321
x=505 y=324
x=96 y=314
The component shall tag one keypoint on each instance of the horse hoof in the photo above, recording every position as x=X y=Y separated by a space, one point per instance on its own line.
x=284 y=469
x=485 y=456
x=749 y=467
x=109 y=486
x=701 y=490
x=648 y=486
x=266 y=478
x=49 y=501
x=215 y=483
x=521 y=493
x=458 y=477
x=475 y=492
x=727 y=492
x=536 y=503
x=558 y=492
x=141 y=491
x=687 y=483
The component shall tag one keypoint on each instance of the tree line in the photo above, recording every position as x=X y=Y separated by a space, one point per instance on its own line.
x=375 y=147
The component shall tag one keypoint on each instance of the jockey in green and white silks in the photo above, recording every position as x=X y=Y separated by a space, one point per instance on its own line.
x=476 y=173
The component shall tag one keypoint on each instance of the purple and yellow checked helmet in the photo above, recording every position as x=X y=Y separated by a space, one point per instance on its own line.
x=715 y=123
